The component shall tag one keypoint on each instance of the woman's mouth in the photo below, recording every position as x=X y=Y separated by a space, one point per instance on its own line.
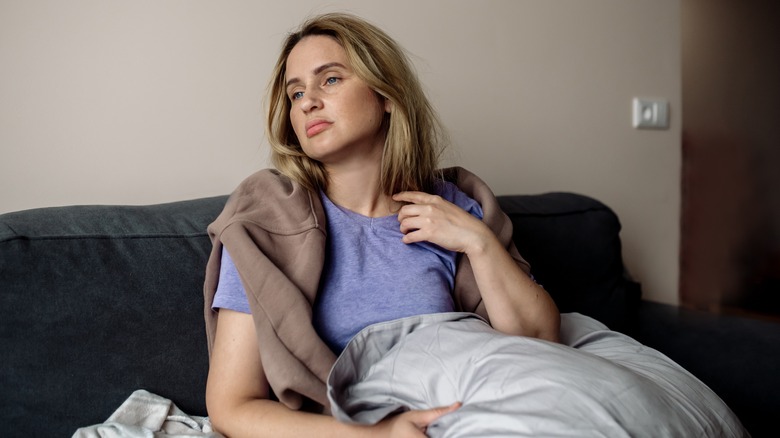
x=314 y=127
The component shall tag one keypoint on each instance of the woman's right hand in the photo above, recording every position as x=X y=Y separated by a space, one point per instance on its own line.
x=413 y=423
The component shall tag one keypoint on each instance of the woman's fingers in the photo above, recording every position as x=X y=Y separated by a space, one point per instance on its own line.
x=433 y=219
x=414 y=423
x=415 y=197
x=422 y=419
x=443 y=410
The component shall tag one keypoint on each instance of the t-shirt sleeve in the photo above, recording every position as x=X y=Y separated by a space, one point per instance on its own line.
x=230 y=291
x=452 y=193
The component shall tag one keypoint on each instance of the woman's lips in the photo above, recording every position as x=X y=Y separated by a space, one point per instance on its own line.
x=314 y=127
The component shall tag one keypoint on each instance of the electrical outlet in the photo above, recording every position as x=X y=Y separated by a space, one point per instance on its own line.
x=650 y=113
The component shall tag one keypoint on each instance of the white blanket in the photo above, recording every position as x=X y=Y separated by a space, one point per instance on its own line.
x=596 y=383
x=146 y=415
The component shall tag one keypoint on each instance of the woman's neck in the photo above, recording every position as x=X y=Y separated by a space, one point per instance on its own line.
x=358 y=189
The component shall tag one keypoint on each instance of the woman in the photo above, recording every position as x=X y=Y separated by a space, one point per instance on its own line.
x=357 y=226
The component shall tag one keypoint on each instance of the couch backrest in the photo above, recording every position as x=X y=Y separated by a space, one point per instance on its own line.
x=572 y=242
x=98 y=301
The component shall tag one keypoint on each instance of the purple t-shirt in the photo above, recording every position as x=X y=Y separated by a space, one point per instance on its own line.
x=370 y=275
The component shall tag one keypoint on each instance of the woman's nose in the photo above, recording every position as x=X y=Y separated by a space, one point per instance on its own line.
x=311 y=101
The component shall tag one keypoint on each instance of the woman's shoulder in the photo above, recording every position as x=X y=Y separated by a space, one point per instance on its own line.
x=464 y=179
x=451 y=192
x=273 y=201
x=268 y=179
x=452 y=188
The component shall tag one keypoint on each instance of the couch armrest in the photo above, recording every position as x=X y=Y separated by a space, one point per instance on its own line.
x=573 y=244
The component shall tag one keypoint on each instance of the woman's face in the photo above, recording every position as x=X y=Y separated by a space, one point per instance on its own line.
x=335 y=115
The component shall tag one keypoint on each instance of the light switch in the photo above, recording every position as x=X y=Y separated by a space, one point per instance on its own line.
x=650 y=113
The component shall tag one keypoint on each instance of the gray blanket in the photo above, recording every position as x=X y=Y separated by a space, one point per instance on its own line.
x=148 y=415
x=595 y=383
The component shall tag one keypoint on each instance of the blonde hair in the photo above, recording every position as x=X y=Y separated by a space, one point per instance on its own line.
x=414 y=138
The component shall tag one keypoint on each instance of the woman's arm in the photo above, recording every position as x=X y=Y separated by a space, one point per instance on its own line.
x=237 y=395
x=514 y=302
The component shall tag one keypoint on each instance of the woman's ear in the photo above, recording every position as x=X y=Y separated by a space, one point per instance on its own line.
x=388 y=105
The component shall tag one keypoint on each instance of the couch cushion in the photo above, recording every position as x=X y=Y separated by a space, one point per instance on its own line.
x=99 y=301
x=573 y=245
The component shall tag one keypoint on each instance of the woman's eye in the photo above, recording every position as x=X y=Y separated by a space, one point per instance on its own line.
x=297 y=95
x=331 y=80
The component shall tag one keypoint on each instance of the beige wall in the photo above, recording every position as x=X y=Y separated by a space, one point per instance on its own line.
x=153 y=101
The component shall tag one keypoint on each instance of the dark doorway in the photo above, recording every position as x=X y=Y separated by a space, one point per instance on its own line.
x=730 y=247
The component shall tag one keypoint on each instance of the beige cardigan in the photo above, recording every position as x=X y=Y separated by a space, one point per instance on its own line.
x=275 y=232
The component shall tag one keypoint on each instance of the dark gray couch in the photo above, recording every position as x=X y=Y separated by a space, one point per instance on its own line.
x=98 y=301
